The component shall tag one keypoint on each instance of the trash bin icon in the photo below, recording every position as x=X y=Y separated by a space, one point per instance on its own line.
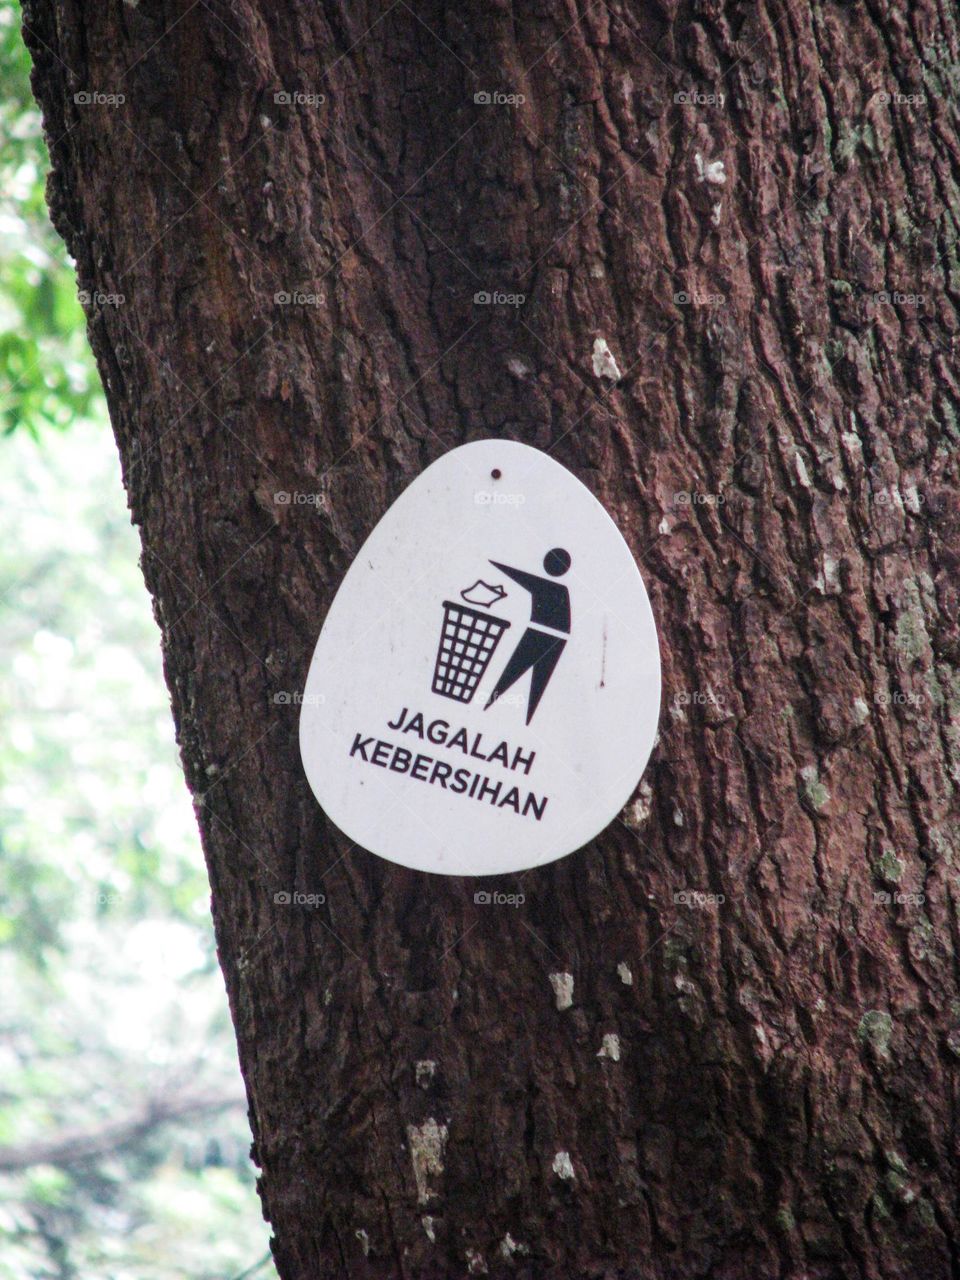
x=467 y=643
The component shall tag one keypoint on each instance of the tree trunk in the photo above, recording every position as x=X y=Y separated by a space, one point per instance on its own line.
x=756 y=208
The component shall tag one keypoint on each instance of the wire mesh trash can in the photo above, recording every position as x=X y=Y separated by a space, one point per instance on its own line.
x=467 y=643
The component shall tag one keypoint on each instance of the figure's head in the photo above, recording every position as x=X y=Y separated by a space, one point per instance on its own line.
x=556 y=562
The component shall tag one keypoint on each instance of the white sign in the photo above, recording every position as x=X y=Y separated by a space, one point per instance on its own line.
x=485 y=691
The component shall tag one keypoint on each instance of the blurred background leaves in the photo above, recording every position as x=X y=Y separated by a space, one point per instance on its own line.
x=123 y=1133
x=48 y=373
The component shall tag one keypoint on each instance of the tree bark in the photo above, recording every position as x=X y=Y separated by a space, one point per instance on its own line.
x=770 y=930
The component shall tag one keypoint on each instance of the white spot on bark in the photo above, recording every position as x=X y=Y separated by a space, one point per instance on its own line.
x=604 y=365
x=861 y=712
x=364 y=1240
x=636 y=814
x=715 y=213
x=626 y=976
x=610 y=1047
x=677 y=817
x=711 y=171
x=801 y=470
x=852 y=441
x=813 y=788
x=475 y=1263
x=911 y=499
x=563 y=1166
x=264 y=120
x=428 y=1228
x=562 y=984
x=425 y=1071
x=427 y=1142
x=663 y=526
x=519 y=368
x=509 y=1246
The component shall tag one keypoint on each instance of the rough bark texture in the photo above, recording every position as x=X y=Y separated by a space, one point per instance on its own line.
x=775 y=274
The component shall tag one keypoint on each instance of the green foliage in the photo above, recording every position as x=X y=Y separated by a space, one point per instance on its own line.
x=47 y=374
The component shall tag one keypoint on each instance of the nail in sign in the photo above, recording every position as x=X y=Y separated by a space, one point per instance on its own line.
x=485 y=691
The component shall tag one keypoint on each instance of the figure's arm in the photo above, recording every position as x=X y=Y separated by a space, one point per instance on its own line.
x=526 y=580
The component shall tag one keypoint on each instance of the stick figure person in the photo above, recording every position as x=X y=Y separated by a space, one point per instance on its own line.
x=538 y=650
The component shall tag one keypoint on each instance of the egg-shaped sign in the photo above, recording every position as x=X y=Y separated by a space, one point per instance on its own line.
x=485 y=691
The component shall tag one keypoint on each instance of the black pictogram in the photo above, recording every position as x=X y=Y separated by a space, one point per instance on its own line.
x=538 y=651
x=469 y=636
x=467 y=643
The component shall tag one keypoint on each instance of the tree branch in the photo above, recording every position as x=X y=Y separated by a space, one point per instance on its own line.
x=74 y=1146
